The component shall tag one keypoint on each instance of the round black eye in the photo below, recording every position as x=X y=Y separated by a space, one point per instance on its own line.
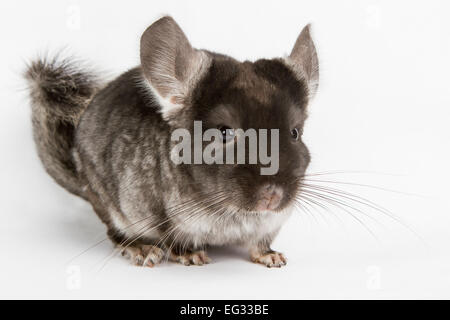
x=295 y=134
x=227 y=133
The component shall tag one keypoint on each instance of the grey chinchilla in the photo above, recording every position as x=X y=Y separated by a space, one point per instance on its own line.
x=110 y=143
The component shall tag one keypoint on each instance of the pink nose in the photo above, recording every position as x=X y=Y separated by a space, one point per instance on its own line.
x=269 y=198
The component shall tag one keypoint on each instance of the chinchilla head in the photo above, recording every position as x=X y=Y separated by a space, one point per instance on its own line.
x=198 y=90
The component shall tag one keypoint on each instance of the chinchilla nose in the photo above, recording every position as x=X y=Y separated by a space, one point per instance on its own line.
x=269 y=198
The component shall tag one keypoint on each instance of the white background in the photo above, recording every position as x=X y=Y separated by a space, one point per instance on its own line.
x=382 y=110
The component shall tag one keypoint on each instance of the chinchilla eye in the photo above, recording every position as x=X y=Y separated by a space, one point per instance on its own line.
x=227 y=133
x=295 y=134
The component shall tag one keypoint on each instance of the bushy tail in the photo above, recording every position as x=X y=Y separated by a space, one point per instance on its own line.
x=60 y=91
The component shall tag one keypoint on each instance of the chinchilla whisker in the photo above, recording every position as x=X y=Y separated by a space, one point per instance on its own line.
x=370 y=204
x=106 y=238
x=219 y=212
x=131 y=239
x=338 y=202
x=300 y=206
x=174 y=214
x=364 y=185
x=134 y=223
x=303 y=205
x=314 y=205
x=322 y=204
x=349 y=196
x=344 y=206
x=311 y=203
x=311 y=208
x=308 y=200
x=345 y=195
x=356 y=199
x=196 y=216
x=193 y=212
x=323 y=173
x=223 y=214
x=183 y=242
x=360 y=221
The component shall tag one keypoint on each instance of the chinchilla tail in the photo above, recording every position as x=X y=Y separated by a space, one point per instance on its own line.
x=60 y=90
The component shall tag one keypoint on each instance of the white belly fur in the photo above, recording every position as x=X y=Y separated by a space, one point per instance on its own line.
x=230 y=229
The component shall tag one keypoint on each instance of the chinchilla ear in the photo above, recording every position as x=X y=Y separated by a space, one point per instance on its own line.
x=170 y=65
x=304 y=62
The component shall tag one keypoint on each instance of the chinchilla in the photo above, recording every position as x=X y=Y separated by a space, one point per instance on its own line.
x=112 y=144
